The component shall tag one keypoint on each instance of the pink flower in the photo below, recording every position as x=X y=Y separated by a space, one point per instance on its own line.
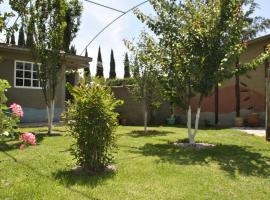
x=22 y=146
x=16 y=110
x=28 y=138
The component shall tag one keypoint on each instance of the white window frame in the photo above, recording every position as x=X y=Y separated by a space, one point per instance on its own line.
x=31 y=79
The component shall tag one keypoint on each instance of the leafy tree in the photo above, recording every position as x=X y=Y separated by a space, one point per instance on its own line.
x=12 y=39
x=21 y=39
x=146 y=87
x=99 y=73
x=127 y=68
x=47 y=20
x=112 y=67
x=72 y=19
x=199 y=42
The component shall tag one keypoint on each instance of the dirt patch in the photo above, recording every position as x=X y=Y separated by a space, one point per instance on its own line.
x=82 y=171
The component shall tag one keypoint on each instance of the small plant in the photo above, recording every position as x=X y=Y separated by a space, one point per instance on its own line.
x=27 y=139
x=92 y=122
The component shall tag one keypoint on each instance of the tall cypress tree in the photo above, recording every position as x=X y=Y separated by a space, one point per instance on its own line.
x=99 y=73
x=21 y=38
x=12 y=39
x=30 y=35
x=7 y=39
x=87 y=72
x=73 y=50
x=127 y=68
x=112 y=67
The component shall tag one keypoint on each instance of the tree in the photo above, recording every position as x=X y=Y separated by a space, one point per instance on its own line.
x=21 y=40
x=127 y=68
x=198 y=44
x=47 y=21
x=72 y=19
x=99 y=73
x=146 y=88
x=12 y=39
x=112 y=67
x=7 y=39
x=30 y=34
x=87 y=72
x=72 y=50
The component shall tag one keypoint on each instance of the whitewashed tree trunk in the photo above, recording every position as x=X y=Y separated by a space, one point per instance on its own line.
x=192 y=135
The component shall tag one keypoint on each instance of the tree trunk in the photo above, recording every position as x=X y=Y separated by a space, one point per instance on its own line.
x=237 y=91
x=191 y=135
x=216 y=105
x=145 y=118
x=50 y=113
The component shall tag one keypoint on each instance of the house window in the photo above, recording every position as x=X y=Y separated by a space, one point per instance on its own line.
x=26 y=75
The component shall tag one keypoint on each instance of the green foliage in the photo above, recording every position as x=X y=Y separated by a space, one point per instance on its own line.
x=99 y=73
x=53 y=24
x=127 y=67
x=7 y=122
x=21 y=38
x=146 y=87
x=72 y=18
x=199 y=42
x=120 y=82
x=112 y=67
x=92 y=122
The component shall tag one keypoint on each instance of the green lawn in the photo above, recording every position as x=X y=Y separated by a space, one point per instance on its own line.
x=149 y=167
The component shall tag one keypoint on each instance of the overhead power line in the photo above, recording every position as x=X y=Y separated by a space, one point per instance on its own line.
x=109 y=24
x=105 y=6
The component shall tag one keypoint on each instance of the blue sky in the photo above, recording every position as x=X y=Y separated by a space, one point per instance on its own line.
x=94 y=18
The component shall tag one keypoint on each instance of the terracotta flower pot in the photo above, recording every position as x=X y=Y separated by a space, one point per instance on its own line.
x=253 y=119
x=238 y=121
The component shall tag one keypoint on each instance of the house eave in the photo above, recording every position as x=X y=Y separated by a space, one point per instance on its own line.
x=72 y=62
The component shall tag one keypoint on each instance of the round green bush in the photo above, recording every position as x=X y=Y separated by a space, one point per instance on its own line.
x=92 y=121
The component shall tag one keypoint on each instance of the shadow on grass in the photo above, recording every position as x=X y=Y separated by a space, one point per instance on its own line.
x=150 y=133
x=68 y=178
x=230 y=158
x=48 y=177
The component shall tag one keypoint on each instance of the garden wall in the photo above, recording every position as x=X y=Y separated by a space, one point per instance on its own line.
x=132 y=110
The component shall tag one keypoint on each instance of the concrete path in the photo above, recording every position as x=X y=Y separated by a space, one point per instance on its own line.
x=260 y=131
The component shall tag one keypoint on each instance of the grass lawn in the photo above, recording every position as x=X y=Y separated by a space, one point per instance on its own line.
x=149 y=167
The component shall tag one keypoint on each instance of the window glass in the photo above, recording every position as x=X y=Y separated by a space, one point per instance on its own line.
x=26 y=75
x=19 y=65
x=19 y=82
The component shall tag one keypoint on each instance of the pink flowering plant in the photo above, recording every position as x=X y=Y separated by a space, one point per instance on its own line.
x=9 y=116
x=17 y=111
x=27 y=139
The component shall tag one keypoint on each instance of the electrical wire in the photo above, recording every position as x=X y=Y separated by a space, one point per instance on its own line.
x=105 y=6
x=109 y=24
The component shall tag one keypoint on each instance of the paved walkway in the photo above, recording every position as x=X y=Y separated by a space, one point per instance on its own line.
x=260 y=131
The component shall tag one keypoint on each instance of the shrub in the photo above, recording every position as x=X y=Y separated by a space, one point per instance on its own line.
x=9 y=117
x=92 y=122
